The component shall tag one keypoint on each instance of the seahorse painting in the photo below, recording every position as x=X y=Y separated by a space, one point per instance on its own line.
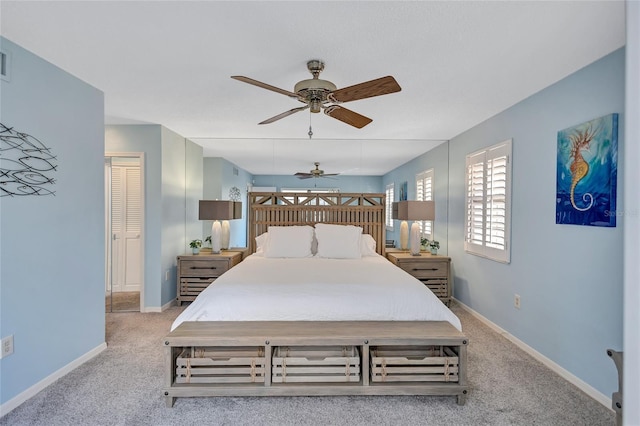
x=580 y=140
x=587 y=173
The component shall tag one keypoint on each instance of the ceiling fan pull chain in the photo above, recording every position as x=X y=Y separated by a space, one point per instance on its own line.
x=310 y=131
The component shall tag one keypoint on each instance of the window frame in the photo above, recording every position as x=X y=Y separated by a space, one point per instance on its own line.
x=488 y=176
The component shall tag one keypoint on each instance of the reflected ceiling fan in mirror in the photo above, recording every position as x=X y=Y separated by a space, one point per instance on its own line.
x=315 y=173
x=320 y=94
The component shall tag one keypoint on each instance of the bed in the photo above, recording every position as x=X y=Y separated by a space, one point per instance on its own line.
x=316 y=309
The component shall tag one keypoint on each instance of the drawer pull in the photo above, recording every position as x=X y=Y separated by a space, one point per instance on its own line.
x=203 y=267
x=425 y=269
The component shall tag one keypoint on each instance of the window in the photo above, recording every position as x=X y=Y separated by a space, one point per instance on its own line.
x=488 y=201
x=389 y=207
x=424 y=192
x=312 y=190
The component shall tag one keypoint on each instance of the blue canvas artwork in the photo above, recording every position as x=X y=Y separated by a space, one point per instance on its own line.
x=587 y=171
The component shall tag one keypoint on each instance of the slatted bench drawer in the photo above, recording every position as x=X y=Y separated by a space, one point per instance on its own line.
x=221 y=365
x=316 y=364
x=414 y=364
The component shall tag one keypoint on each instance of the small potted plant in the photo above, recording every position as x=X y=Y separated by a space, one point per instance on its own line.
x=424 y=243
x=434 y=246
x=195 y=246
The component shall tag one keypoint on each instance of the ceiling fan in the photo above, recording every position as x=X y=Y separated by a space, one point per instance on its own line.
x=320 y=94
x=314 y=173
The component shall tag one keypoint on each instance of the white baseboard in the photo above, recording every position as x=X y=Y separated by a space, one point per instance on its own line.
x=14 y=402
x=161 y=308
x=571 y=378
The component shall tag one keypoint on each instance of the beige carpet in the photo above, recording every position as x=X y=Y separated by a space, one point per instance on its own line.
x=123 y=301
x=123 y=386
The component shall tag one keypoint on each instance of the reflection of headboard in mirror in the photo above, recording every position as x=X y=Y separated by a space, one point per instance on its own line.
x=303 y=208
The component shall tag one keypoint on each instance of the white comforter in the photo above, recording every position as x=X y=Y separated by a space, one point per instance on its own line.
x=317 y=289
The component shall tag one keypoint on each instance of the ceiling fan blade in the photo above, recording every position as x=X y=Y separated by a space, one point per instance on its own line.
x=300 y=175
x=283 y=115
x=264 y=85
x=329 y=174
x=347 y=116
x=368 y=89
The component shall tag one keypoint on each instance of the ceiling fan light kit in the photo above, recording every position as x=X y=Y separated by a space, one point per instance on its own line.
x=320 y=94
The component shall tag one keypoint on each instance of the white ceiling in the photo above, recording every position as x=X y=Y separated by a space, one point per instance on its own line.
x=458 y=63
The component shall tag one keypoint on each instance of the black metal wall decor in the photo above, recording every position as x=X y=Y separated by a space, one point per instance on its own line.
x=25 y=164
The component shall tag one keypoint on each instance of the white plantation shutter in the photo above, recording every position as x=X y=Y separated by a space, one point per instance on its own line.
x=133 y=200
x=488 y=199
x=117 y=201
x=125 y=200
x=475 y=199
x=424 y=192
x=389 y=206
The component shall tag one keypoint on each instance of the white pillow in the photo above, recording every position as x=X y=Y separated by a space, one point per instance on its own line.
x=368 y=245
x=289 y=241
x=339 y=241
x=261 y=242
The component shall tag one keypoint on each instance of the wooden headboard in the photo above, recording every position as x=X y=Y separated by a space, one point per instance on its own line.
x=303 y=208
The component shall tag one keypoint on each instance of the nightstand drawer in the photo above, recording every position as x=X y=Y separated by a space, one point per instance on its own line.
x=203 y=267
x=429 y=269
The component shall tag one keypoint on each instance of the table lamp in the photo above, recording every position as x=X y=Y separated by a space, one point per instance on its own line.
x=219 y=210
x=415 y=211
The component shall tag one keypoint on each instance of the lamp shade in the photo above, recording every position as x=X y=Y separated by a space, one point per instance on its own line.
x=414 y=210
x=219 y=210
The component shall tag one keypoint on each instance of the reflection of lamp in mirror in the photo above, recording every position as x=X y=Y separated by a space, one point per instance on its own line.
x=404 y=228
x=218 y=210
x=415 y=211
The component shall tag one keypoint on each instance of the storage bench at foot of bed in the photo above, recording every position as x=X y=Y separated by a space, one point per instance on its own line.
x=309 y=358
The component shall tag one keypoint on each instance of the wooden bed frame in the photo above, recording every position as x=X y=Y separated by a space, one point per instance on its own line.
x=302 y=208
x=296 y=358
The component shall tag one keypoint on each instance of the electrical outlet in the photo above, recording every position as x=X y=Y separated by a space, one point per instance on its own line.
x=7 y=346
x=516 y=301
x=166 y=275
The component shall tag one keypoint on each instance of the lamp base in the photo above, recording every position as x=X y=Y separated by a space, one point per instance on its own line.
x=216 y=237
x=404 y=235
x=226 y=235
x=414 y=241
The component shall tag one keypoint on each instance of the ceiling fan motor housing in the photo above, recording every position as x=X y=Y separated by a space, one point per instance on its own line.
x=314 y=91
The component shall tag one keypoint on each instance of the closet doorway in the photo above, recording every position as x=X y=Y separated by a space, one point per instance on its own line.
x=124 y=239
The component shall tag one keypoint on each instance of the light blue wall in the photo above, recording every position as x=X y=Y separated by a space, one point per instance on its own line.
x=356 y=184
x=52 y=247
x=195 y=190
x=146 y=139
x=220 y=176
x=173 y=181
x=438 y=160
x=569 y=277
x=173 y=210
x=233 y=175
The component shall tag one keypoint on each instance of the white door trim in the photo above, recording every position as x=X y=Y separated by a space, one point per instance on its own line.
x=140 y=156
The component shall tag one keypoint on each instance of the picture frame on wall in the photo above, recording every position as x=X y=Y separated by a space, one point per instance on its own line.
x=403 y=191
x=587 y=169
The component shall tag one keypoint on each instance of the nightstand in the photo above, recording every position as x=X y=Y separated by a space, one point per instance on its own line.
x=432 y=270
x=197 y=271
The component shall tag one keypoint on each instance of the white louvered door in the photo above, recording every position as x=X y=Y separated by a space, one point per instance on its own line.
x=126 y=227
